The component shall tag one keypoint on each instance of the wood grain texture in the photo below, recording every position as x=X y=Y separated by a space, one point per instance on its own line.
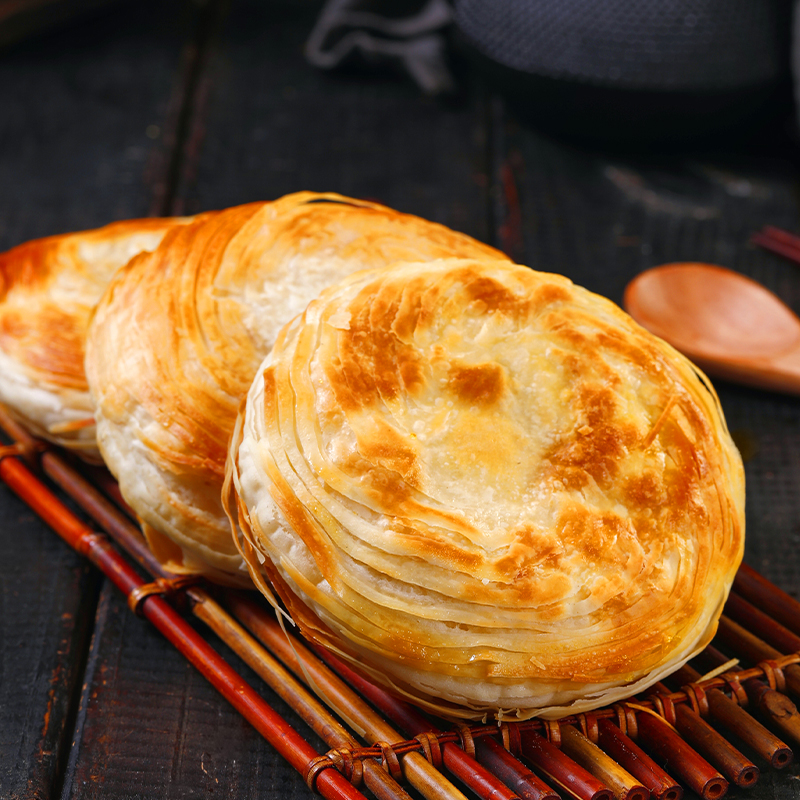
x=75 y=143
x=47 y=601
x=267 y=124
x=84 y=113
x=149 y=726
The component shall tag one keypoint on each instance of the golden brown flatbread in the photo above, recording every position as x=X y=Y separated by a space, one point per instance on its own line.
x=489 y=488
x=48 y=290
x=177 y=339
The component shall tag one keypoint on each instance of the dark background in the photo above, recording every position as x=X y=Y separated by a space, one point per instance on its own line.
x=167 y=108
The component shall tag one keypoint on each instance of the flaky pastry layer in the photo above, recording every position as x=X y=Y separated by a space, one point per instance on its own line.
x=489 y=488
x=48 y=290
x=178 y=337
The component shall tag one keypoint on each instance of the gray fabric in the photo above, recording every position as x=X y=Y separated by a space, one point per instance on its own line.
x=665 y=45
x=404 y=34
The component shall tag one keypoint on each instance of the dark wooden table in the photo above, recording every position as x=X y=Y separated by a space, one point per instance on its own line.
x=163 y=108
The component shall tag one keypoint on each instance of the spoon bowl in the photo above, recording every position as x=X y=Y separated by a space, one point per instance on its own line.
x=731 y=326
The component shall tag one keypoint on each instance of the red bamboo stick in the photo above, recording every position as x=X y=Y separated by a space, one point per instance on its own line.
x=744 y=643
x=728 y=713
x=465 y=768
x=765 y=595
x=286 y=741
x=595 y=760
x=736 y=767
x=299 y=659
x=509 y=769
x=287 y=687
x=781 y=235
x=20 y=436
x=754 y=619
x=753 y=649
x=627 y=753
x=568 y=775
x=658 y=738
x=102 y=511
x=775 y=705
x=711 y=744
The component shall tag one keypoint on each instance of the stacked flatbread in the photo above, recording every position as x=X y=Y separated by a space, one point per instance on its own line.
x=48 y=290
x=180 y=333
x=488 y=488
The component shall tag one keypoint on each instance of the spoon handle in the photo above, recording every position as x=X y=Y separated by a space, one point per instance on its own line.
x=779 y=373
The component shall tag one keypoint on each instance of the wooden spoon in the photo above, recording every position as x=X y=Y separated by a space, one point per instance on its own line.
x=729 y=325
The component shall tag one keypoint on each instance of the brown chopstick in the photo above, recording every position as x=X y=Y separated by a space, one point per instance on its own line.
x=778 y=241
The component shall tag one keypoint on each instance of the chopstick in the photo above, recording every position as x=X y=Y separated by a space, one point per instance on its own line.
x=778 y=241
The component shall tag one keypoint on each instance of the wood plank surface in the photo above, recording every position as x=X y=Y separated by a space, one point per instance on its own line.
x=84 y=109
x=149 y=726
x=47 y=601
x=177 y=108
x=267 y=124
